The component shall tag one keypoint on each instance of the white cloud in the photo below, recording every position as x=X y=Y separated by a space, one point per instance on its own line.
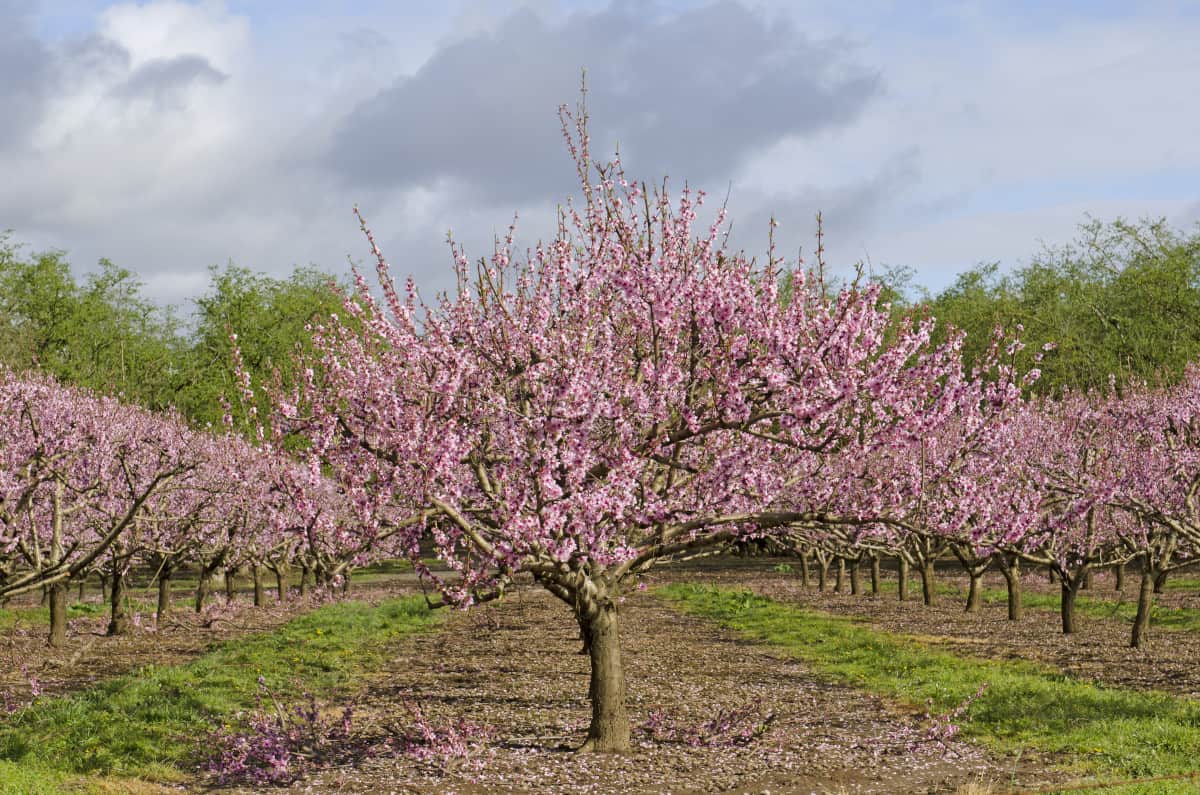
x=168 y=28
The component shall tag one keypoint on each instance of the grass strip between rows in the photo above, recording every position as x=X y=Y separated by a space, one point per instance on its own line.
x=147 y=724
x=1101 y=731
x=1102 y=603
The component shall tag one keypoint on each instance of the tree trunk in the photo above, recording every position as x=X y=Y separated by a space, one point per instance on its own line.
x=280 y=587
x=82 y=587
x=875 y=574
x=304 y=573
x=927 y=582
x=822 y=574
x=1086 y=585
x=202 y=588
x=103 y=588
x=1011 y=569
x=1070 y=589
x=58 y=615
x=1050 y=575
x=1160 y=581
x=804 y=576
x=609 y=731
x=259 y=599
x=975 y=592
x=839 y=584
x=903 y=588
x=230 y=584
x=118 y=623
x=1141 y=622
x=855 y=580
x=1119 y=573
x=164 y=597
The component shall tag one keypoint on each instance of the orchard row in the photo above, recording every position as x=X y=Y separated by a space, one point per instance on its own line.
x=91 y=485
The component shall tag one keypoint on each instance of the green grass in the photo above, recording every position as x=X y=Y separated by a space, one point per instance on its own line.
x=35 y=617
x=1110 y=605
x=1094 y=603
x=147 y=724
x=1101 y=731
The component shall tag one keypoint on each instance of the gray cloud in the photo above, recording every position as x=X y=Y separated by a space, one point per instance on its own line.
x=690 y=95
x=93 y=57
x=26 y=73
x=163 y=80
x=851 y=212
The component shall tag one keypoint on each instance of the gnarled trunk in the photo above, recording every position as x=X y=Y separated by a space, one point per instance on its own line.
x=1141 y=621
x=259 y=598
x=903 y=588
x=118 y=623
x=1070 y=590
x=855 y=581
x=1160 y=581
x=927 y=592
x=58 y=615
x=1010 y=567
x=975 y=568
x=875 y=574
x=822 y=574
x=840 y=583
x=609 y=730
x=804 y=576
x=164 y=596
x=202 y=588
x=974 y=592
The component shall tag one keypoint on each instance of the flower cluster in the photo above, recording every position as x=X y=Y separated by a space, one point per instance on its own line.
x=277 y=744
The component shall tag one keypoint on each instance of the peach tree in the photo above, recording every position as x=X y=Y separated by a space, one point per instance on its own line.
x=629 y=391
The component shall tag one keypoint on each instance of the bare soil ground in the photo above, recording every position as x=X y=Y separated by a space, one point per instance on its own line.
x=1098 y=651
x=515 y=667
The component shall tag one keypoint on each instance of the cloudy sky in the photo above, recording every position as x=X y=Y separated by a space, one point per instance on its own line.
x=169 y=136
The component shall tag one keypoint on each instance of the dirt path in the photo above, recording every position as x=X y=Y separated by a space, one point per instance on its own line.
x=515 y=668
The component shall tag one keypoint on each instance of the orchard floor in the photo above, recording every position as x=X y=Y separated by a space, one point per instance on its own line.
x=90 y=655
x=1098 y=651
x=515 y=667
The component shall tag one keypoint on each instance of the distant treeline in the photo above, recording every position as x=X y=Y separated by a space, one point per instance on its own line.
x=101 y=332
x=1122 y=300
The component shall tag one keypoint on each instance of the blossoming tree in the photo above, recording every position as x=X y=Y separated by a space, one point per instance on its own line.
x=630 y=392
